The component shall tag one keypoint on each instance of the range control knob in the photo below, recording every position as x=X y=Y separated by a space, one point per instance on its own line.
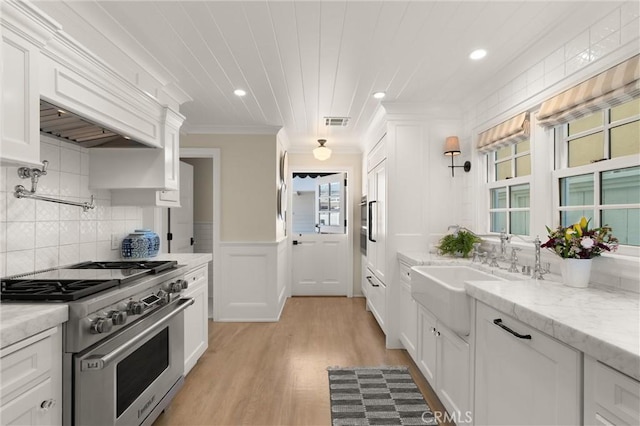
x=118 y=317
x=175 y=287
x=135 y=308
x=100 y=325
x=165 y=297
x=184 y=284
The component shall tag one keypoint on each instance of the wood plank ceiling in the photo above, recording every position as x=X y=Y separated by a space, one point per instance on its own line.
x=301 y=61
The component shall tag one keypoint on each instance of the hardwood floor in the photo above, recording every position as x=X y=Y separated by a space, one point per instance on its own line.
x=275 y=373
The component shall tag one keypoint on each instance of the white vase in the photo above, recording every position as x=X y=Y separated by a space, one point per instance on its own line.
x=576 y=272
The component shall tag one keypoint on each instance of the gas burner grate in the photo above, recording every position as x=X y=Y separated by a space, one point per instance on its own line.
x=154 y=266
x=52 y=290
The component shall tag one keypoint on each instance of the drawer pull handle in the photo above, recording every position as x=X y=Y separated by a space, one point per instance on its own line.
x=498 y=322
x=48 y=403
x=371 y=282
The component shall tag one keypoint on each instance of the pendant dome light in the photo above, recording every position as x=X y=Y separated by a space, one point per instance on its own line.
x=322 y=152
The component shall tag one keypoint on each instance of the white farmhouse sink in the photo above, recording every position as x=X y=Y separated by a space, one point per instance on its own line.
x=440 y=289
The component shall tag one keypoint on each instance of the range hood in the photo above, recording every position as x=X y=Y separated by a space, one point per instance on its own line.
x=69 y=127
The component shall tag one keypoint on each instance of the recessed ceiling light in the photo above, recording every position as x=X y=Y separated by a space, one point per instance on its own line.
x=239 y=92
x=478 y=54
x=379 y=95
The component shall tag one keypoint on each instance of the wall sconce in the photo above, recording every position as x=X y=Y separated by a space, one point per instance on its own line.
x=322 y=152
x=452 y=148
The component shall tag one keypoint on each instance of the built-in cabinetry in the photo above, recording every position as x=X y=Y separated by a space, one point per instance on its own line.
x=30 y=381
x=196 y=332
x=376 y=211
x=408 y=315
x=610 y=397
x=24 y=32
x=376 y=298
x=374 y=280
x=40 y=61
x=523 y=376
x=444 y=359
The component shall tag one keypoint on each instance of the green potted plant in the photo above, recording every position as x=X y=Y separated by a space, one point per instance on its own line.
x=458 y=244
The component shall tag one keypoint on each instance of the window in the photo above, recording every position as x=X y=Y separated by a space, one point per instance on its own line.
x=509 y=189
x=599 y=170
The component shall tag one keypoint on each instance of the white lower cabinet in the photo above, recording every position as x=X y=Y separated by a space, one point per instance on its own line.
x=376 y=299
x=408 y=313
x=196 y=333
x=610 y=397
x=30 y=381
x=523 y=376
x=443 y=358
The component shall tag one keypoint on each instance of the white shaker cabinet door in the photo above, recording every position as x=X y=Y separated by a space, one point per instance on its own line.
x=523 y=376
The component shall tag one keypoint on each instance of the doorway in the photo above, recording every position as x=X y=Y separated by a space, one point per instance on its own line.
x=321 y=256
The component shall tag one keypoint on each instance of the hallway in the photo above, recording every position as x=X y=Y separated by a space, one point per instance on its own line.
x=275 y=373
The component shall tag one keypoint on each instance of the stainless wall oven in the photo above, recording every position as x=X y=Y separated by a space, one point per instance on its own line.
x=135 y=374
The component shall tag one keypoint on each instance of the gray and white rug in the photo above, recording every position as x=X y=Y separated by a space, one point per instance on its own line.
x=376 y=396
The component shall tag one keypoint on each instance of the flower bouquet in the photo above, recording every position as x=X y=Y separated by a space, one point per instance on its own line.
x=579 y=242
x=578 y=245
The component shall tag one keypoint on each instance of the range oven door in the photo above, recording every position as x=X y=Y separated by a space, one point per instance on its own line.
x=129 y=378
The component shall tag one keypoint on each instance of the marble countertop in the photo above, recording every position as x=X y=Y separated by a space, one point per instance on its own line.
x=21 y=320
x=190 y=260
x=603 y=323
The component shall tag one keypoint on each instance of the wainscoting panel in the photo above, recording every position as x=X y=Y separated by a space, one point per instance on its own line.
x=254 y=281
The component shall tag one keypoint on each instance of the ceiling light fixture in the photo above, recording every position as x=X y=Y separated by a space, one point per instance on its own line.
x=322 y=152
x=379 y=95
x=239 y=92
x=478 y=54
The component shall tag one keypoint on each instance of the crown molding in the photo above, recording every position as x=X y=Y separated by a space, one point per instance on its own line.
x=229 y=130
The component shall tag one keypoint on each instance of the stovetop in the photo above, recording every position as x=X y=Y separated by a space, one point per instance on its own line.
x=78 y=281
x=154 y=266
x=60 y=290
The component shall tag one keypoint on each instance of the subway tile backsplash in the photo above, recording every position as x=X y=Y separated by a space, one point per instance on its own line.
x=38 y=235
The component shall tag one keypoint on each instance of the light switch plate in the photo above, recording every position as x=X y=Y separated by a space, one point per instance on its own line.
x=115 y=241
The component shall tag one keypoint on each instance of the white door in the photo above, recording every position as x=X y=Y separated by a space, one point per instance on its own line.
x=181 y=219
x=321 y=257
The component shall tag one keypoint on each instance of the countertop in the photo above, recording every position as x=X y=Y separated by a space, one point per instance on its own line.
x=603 y=323
x=21 y=320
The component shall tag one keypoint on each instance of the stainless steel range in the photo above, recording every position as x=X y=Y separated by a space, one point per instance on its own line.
x=124 y=341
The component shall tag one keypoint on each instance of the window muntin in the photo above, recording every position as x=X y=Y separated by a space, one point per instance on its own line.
x=606 y=134
x=510 y=209
x=512 y=161
x=600 y=173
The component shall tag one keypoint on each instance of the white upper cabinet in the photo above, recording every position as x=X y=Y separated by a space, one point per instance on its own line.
x=24 y=32
x=40 y=61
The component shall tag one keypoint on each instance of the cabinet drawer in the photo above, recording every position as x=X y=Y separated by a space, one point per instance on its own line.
x=405 y=272
x=34 y=407
x=195 y=275
x=612 y=391
x=376 y=299
x=25 y=365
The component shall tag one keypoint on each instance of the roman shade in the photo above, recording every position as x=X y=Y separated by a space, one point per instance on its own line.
x=512 y=131
x=612 y=87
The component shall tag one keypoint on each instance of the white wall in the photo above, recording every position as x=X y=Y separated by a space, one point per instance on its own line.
x=36 y=235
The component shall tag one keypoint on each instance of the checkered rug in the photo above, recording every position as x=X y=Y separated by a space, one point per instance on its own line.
x=376 y=396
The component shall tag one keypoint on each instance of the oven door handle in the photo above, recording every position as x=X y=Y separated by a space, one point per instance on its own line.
x=98 y=362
